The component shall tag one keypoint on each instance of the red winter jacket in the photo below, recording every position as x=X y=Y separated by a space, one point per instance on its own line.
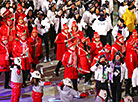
x=117 y=47
x=36 y=45
x=9 y=32
x=18 y=51
x=70 y=62
x=4 y=62
x=61 y=46
x=131 y=60
x=95 y=48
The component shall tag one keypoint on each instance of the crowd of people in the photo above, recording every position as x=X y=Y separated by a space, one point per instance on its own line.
x=85 y=42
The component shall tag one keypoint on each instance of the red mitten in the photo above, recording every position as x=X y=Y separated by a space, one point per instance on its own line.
x=47 y=83
x=83 y=95
x=18 y=71
x=32 y=70
x=61 y=84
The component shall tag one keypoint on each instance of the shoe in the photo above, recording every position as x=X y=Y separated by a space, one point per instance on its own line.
x=45 y=60
x=7 y=87
x=24 y=85
x=49 y=59
x=56 y=73
x=78 y=81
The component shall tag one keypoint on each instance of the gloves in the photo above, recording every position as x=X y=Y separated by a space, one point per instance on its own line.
x=83 y=95
x=32 y=70
x=18 y=71
x=47 y=83
x=60 y=84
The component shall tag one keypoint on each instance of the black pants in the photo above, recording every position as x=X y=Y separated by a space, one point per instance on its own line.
x=103 y=86
x=103 y=40
x=46 y=41
x=128 y=86
x=26 y=73
x=109 y=38
x=58 y=66
x=116 y=90
x=75 y=85
x=87 y=76
x=7 y=76
x=34 y=66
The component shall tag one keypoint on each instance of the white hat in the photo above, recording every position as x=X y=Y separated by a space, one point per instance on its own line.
x=36 y=74
x=17 y=61
x=67 y=82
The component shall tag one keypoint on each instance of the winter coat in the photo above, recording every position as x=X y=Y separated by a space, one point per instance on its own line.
x=36 y=45
x=61 y=46
x=130 y=20
x=23 y=47
x=131 y=60
x=4 y=57
x=69 y=60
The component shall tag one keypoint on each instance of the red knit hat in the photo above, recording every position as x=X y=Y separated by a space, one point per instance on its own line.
x=119 y=36
x=34 y=30
x=65 y=27
x=4 y=38
x=134 y=33
x=74 y=24
x=96 y=35
x=108 y=47
x=19 y=7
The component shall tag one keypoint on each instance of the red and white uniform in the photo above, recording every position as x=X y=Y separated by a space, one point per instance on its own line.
x=16 y=83
x=96 y=47
x=4 y=56
x=70 y=62
x=36 y=45
x=117 y=46
x=17 y=15
x=107 y=55
x=23 y=50
x=22 y=27
x=8 y=31
x=131 y=59
x=61 y=45
x=37 y=91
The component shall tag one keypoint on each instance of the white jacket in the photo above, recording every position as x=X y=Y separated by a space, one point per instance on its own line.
x=123 y=71
x=135 y=77
x=125 y=32
x=45 y=23
x=15 y=77
x=102 y=27
x=99 y=72
x=81 y=25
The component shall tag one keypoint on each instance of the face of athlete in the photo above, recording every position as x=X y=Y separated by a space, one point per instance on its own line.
x=66 y=30
x=21 y=21
x=5 y=42
x=106 y=50
x=19 y=10
x=97 y=39
x=9 y=23
x=23 y=37
x=120 y=23
x=117 y=57
x=121 y=40
x=74 y=29
x=102 y=59
x=35 y=34
x=135 y=44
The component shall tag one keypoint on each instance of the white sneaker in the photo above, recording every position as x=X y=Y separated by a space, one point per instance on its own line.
x=45 y=59
x=49 y=59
